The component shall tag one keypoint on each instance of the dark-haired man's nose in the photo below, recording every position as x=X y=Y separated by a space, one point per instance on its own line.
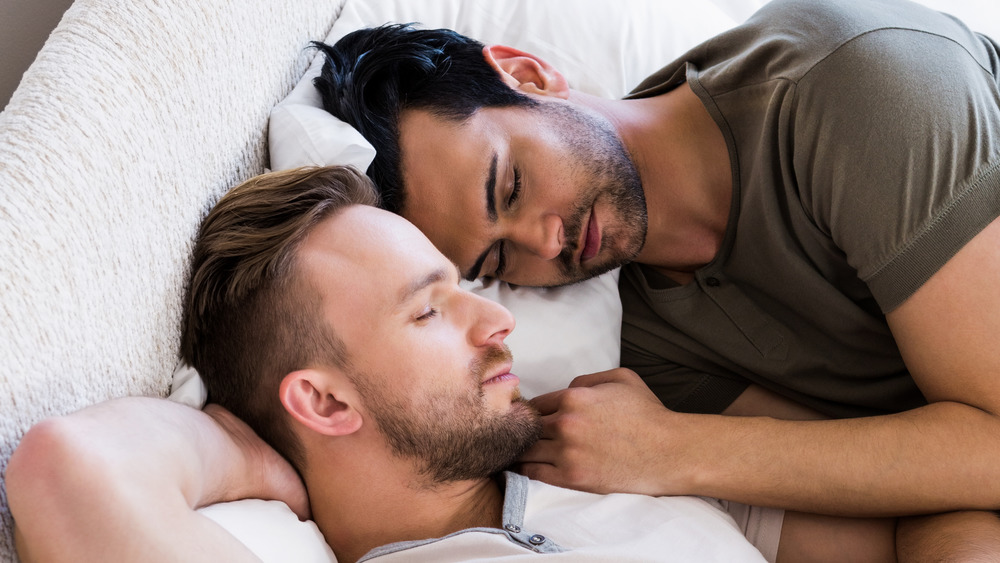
x=542 y=237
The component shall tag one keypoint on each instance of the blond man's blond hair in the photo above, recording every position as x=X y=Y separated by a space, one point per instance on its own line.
x=249 y=319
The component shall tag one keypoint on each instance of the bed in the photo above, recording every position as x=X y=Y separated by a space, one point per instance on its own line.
x=136 y=117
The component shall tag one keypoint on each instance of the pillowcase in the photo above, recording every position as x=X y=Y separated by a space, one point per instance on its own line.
x=271 y=531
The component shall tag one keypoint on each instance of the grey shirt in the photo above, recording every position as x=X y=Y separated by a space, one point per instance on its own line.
x=542 y=522
x=864 y=140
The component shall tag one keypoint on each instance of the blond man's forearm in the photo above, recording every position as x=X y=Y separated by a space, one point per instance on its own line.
x=120 y=481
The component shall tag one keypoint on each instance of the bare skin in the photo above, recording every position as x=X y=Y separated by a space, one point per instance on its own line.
x=103 y=510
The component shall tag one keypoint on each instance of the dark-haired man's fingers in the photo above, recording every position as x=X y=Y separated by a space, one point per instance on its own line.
x=617 y=375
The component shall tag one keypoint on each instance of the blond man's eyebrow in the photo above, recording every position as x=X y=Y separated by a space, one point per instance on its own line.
x=418 y=285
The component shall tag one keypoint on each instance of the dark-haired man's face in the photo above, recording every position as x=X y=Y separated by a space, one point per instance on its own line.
x=534 y=196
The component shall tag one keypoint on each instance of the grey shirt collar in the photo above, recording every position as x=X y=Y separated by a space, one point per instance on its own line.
x=515 y=501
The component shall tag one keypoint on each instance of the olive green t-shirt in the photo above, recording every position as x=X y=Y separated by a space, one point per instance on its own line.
x=864 y=140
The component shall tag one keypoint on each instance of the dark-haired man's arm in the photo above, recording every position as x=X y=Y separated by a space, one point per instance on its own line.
x=953 y=536
x=609 y=432
x=120 y=481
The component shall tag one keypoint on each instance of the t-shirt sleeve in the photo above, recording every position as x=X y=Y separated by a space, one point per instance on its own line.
x=895 y=142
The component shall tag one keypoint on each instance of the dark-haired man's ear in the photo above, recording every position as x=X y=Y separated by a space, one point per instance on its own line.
x=320 y=401
x=525 y=72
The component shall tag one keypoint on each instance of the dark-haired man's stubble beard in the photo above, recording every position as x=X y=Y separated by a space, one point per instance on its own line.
x=453 y=437
x=601 y=157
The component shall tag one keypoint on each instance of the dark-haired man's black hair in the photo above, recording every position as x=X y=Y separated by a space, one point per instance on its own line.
x=371 y=75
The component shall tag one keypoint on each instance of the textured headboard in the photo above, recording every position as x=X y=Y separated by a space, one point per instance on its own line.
x=133 y=120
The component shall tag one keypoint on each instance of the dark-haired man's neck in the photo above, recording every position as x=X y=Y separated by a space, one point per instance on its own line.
x=684 y=166
x=362 y=512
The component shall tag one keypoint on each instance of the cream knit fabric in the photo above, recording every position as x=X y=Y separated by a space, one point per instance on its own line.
x=131 y=123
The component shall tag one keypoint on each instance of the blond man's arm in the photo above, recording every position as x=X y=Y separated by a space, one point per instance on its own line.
x=120 y=481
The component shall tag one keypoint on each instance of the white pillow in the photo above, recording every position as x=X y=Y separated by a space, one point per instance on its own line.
x=603 y=48
x=271 y=531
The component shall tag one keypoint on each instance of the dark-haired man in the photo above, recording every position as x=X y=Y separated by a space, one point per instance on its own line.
x=339 y=333
x=809 y=203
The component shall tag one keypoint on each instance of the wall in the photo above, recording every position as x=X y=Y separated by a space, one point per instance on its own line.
x=24 y=26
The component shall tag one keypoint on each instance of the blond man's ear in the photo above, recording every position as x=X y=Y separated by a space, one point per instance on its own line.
x=322 y=401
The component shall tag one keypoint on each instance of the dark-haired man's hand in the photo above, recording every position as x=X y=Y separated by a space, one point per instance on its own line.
x=603 y=434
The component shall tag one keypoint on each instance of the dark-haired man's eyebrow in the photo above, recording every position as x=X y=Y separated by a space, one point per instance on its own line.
x=491 y=213
x=477 y=267
x=491 y=186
